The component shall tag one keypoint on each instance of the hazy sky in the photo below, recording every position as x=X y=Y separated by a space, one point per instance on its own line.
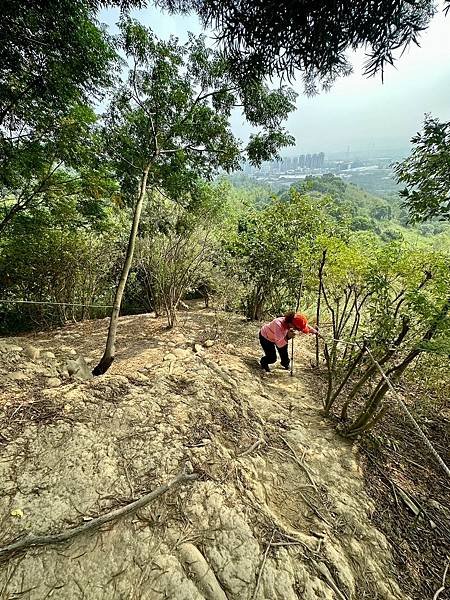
x=359 y=114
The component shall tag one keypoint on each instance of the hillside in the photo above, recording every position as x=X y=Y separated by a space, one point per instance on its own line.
x=278 y=510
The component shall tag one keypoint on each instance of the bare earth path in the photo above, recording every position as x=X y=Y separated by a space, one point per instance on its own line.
x=279 y=511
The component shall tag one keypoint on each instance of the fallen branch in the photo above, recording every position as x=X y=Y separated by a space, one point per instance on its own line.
x=442 y=588
x=323 y=569
x=414 y=506
x=294 y=539
x=297 y=461
x=258 y=442
x=55 y=538
x=408 y=501
x=288 y=544
x=258 y=582
x=314 y=509
x=209 y=363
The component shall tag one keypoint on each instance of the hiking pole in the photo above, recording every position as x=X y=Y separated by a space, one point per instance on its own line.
x=292 y=357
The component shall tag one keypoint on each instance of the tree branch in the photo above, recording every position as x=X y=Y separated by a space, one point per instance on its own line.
x=43 y=540
x=199 y=98
x=144 y=108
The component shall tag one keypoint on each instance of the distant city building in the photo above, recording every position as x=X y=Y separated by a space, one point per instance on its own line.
x=289 y=164
x=374 y=175
x=321 y=159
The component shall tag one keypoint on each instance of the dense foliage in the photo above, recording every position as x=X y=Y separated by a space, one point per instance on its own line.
x=73 y=186
x=426 y=173
x=312 y=37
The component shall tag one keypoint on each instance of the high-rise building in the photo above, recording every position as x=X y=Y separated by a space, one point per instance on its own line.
x=321 y=159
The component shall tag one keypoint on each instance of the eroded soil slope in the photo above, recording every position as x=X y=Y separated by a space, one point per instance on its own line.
x=278 y=512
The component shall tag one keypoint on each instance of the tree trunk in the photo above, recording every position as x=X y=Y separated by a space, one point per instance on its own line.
x=255 y=304
x=362 y=422
x=372 y=369
x=110 y=349
x=330 y=374
x=297 y=306
x=322 y=264
x=331 y=397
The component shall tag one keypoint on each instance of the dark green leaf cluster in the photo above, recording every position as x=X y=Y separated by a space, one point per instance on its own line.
x=52 y=56
x=426 y=173
x=267 y=37
x=55 y=166
x=55 y=61
x=272 y=248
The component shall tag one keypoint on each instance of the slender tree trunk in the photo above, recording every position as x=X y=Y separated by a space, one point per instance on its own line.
x=363 y=421
x=255 y=303
x=330 y=376
x=297 y=306
x=356 y=321
x=322 y=264
x=372 y=369
x=110 y=349
x=331 y=397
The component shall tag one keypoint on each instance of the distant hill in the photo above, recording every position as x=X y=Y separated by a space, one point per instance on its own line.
x=367 y=212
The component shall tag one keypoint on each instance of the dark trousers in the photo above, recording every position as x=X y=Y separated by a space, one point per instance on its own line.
x=270 y=355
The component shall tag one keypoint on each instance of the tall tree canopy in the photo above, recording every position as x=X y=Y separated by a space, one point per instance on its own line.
x=310 y=36
x=174 y=113
x=169 y=125
x=426 y=173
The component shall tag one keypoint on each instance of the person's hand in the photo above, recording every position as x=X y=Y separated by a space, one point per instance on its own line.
x=290 y=334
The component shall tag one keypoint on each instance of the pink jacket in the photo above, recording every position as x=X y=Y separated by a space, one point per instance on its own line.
x=276 y=331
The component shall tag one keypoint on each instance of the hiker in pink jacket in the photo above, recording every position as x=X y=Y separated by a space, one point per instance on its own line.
x=277 y=333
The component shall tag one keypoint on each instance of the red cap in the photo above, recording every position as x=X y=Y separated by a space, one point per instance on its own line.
x=300 y=322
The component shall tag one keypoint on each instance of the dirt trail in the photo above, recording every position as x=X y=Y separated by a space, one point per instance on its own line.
x=279 y=511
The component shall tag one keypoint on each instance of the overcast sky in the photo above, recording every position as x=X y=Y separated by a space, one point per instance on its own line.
x=359 y=115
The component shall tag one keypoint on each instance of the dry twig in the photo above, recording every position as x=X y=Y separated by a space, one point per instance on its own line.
x=442 y=588
x=258 y=442
x=258 y=582
x=299 y=462
x=323 y=569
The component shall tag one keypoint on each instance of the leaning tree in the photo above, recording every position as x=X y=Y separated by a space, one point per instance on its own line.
x=169 y=125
